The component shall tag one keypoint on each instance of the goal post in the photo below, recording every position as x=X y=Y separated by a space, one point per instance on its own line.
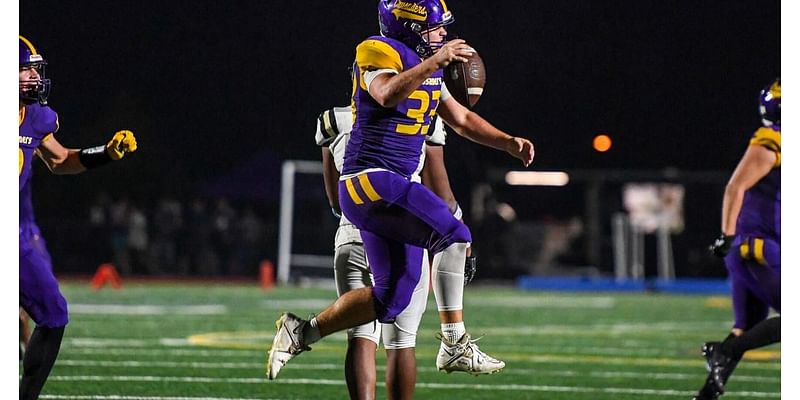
x=286 y=257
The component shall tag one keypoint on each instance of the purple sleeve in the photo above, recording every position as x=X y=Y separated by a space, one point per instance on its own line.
x=45 y=121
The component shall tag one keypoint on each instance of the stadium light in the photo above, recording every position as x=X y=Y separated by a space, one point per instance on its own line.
x=537 y=178
x=602 y=143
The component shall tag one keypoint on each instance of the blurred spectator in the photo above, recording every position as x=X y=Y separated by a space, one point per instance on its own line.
x=557 y=245
x=167 y=222
x=201 y=237
x=99 y=228
x=223 y=234
x=494 y=241
x=201 y=256
x=137 y=240
x=249 y=244
x=119 y=235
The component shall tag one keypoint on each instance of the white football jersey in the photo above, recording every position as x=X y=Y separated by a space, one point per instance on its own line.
x=333 y=130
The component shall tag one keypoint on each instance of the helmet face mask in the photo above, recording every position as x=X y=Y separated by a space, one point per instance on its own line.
x=412 y=21
x=32 y=90
x=434 y=46
x=770 y=105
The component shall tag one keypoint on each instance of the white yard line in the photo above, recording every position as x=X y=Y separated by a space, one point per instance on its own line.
x=88 y=345
x=147 y=309
x=160 y=364
x=597 y=356
x=604 y=329
x=107 y=342
x=98 y=348
x=188 y=352
x=336 y=367
x=125 y=397
x=115 y=342
x=542 y=302
x=299 y=304
x=605 y=360
x=448 y=386
x=595 y=302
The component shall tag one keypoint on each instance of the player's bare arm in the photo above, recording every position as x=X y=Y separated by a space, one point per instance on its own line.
x=472 y=126
x=330 y=177
x=755 y=164
x=59 y=159
x=63 y=161
x=390 y=89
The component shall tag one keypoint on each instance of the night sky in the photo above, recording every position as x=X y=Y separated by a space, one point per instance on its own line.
x=211 y=86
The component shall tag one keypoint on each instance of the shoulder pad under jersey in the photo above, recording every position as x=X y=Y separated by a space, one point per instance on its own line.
x=377 y=53
x=769 y=138
x=45 y=120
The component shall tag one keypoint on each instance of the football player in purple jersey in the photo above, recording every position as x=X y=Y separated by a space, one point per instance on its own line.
x=397 y=90
x=352 y=270
x=750 y=243
x=39 y=294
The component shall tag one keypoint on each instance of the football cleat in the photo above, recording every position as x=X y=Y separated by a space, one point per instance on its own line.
x=708 y=391
x=287 y=344
x=719 y=365
x=465 y=356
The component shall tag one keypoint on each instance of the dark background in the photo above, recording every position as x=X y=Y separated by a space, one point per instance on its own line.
x=218 y=93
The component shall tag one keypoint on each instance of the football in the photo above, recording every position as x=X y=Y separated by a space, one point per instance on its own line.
x=465 y=80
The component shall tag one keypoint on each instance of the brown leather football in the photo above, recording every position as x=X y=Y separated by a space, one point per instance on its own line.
x=465 y=80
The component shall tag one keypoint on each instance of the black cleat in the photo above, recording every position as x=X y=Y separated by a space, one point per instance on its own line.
x=709 y=391
x=720 y=365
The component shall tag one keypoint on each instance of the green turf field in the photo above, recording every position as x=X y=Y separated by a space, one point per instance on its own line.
x=160 y=341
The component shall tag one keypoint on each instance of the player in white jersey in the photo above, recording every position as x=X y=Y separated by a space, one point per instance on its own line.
x=352 y=271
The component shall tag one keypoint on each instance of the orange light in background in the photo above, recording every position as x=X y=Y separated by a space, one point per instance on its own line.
x=601 y=143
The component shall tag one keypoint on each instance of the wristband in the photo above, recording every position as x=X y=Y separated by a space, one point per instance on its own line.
x=94 y=157
x=458 y=213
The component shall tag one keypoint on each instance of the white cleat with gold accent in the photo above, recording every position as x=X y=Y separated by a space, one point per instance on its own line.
x=465 y=356
x=287 y=344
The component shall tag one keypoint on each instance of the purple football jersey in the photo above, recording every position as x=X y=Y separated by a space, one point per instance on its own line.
x=389 y=138
x=761 y=208
x=38 y=289
x=36 y=122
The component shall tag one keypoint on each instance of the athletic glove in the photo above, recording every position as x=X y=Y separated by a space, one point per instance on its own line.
x=721 y=245
x=470 y=268
x=122 y=142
